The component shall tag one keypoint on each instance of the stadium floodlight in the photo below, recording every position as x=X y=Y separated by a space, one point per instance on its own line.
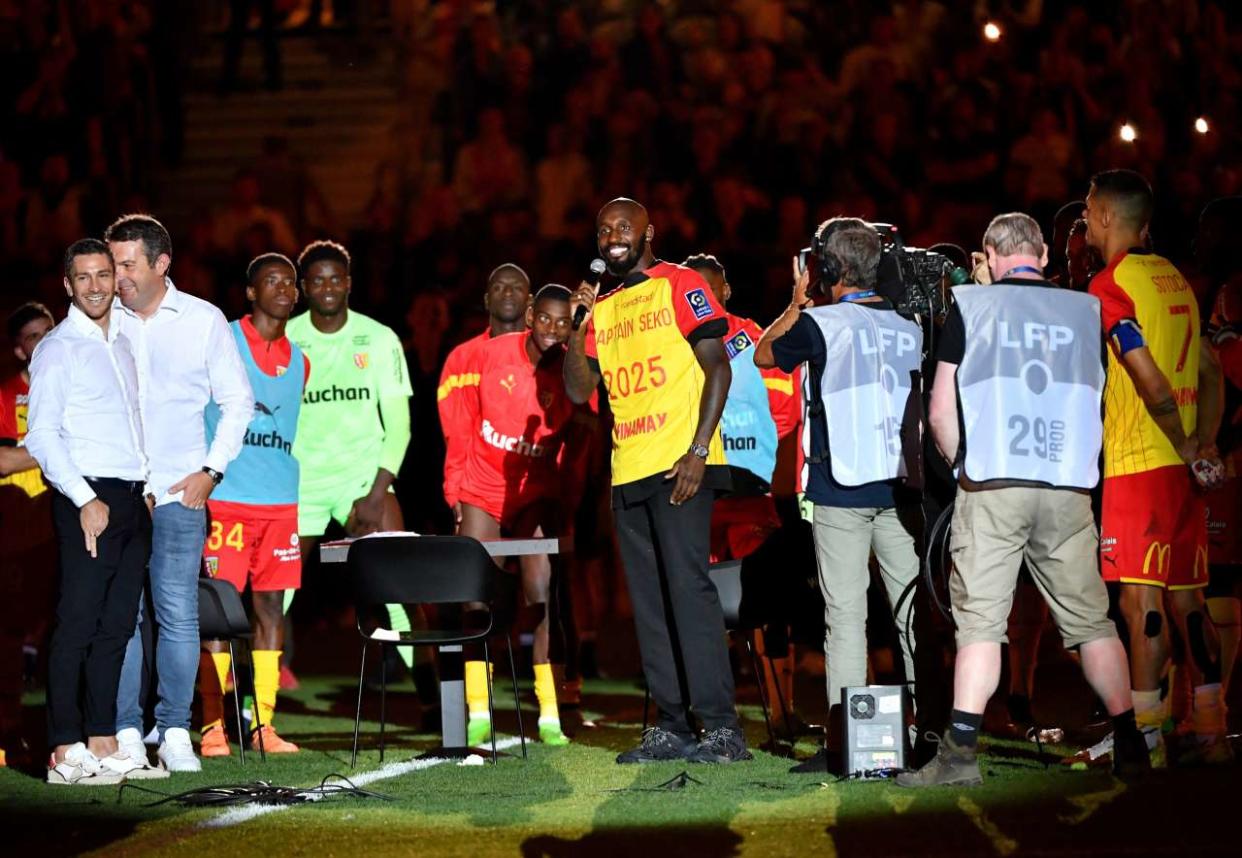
x=1127 y=133
x=992 y=31
x=1201 y=125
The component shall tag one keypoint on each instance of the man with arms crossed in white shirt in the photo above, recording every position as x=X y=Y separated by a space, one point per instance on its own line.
x=85 y=433
x=185 y=356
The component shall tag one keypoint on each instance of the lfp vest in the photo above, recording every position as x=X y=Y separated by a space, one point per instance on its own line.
x=264 y=472
x=870 y=363
x=1030 y=384
x=746 y=427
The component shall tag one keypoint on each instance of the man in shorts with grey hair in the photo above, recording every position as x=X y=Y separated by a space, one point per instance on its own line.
x=1016 y=411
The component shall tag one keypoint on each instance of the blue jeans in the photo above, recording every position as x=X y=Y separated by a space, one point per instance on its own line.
x=177 y=538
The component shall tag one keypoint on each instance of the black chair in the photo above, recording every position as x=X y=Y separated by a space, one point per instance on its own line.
x=222 y=617
x=429 y=570
x=741 y=620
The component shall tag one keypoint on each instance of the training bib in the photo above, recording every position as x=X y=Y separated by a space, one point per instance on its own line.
x=1030 y=384
x=747 y=429
x=870 y=361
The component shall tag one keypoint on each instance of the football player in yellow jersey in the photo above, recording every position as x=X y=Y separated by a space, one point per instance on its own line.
x=1162 y=408
x=655 y=339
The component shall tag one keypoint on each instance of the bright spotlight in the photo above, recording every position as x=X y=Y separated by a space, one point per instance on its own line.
x=1201 y=125
x=1127 y=133
x=991 y=31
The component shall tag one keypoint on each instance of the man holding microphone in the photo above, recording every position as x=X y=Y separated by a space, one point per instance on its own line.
x=655 y=340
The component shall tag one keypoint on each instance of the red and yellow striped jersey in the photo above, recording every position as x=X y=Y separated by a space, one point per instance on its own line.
x=1147 y=290
x=640 y=335
x=14 y=404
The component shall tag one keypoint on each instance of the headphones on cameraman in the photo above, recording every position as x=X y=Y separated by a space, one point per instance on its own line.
x=827 y=264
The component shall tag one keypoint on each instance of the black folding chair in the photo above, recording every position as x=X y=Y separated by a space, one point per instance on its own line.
x=727 y=576
x=222 y=617
x=429 y=570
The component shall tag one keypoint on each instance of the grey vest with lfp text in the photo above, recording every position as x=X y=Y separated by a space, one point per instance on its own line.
x=870 y=360
x=1030 y=384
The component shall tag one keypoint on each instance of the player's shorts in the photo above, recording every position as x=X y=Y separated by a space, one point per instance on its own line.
x=508 y=510
x=322 y=502
x=255 y=543
x=1154 y=530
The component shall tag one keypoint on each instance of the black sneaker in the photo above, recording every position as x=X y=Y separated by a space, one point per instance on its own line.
x=952 y=766
x=659 y=745
x=722 y=745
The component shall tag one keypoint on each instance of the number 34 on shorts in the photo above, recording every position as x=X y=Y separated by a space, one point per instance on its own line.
x=235 y=538
x=264 y=552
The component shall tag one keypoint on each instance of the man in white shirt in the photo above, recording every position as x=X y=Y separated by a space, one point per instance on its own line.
x=86 y=435
x=186 y=356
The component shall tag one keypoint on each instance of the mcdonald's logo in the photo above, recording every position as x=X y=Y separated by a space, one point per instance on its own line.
x=1201 y=563
x=1160 y=552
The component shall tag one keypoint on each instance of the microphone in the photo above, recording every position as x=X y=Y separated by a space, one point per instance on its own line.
x=592 y=279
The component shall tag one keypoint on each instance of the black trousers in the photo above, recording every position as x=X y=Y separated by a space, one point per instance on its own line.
x=96 y=611
x=681 y=633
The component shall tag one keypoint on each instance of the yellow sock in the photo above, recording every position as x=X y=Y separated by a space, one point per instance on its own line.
x=476 y=689
x=211 y=687
x=266 y=683
x=1148 y=709
x=545 y=693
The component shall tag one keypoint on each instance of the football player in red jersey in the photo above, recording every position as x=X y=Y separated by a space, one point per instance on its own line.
x=517 y=422
x=1220 y=227
x=1162 y=408
x=506 y=301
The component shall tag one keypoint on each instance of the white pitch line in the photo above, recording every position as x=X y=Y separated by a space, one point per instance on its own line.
x=238 y=815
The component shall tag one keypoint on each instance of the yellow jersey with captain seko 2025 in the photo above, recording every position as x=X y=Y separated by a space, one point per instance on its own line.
x=641 y=335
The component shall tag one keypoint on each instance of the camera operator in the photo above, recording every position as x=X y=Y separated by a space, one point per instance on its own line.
x=1016 y=406
x=864 y=362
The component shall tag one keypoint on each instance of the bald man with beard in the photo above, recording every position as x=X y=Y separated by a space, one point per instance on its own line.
x=654 y=338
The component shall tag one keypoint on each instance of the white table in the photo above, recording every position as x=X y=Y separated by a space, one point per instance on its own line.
x=337 y=550
x=452 y=683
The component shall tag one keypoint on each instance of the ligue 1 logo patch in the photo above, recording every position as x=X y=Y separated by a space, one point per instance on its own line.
x=738 y=343
x=362 y=360
x=697 y=299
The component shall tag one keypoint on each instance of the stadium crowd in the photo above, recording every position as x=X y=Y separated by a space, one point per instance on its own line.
x=740 y=130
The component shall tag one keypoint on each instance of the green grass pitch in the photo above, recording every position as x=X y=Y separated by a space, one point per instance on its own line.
x=577 y=801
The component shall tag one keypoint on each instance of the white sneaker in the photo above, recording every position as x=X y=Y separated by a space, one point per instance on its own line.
x=176 y=753
x=153 y=738
x=80 y=768
x=123 y=764
x=132 y=745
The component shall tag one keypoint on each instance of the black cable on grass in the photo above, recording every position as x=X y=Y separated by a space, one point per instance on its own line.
x=678 y=781
x=259 y=792
x=871 y=774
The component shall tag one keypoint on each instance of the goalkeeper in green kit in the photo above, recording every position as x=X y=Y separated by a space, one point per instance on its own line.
x=354 y=425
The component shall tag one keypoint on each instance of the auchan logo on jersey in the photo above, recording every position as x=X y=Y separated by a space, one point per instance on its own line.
x=510 y=443
x=336 y=394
